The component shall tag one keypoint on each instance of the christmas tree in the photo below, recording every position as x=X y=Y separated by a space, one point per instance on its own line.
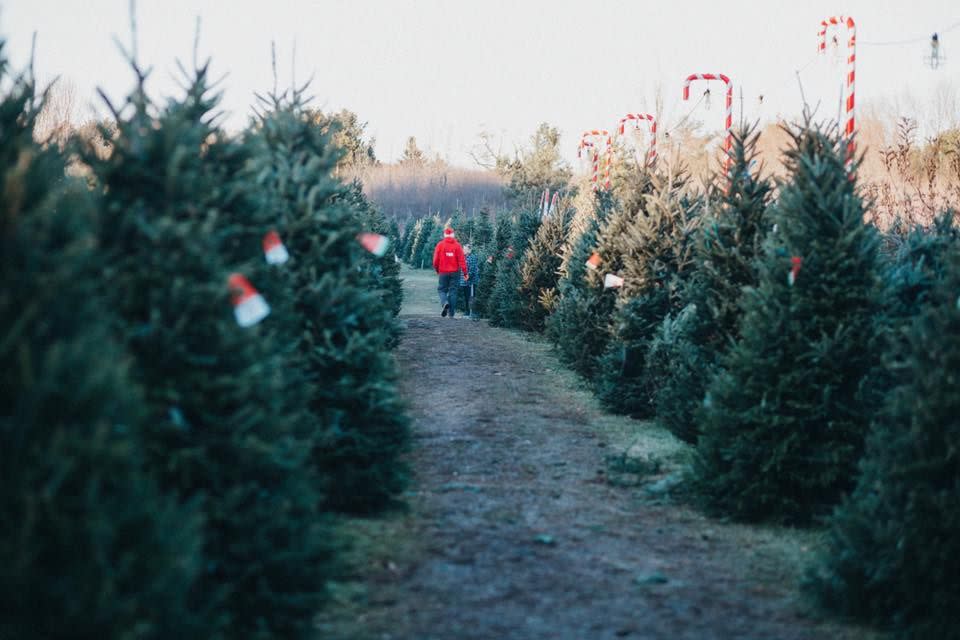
x=394 y=235
x=687 y=346
x=345 y=330
x=384 y=270
x=892 y=556
x=462 y=226
x=497 y=252
x=506 y=305
x=784 y=421
x=481 y=235
x=431 y=232
x=413 y=234
x=90 y=547
x=227 y=434
x=652 y=252
x=579 y=322
x=539 y=269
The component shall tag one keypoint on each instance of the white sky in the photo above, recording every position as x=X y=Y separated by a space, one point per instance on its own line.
x=445 y=70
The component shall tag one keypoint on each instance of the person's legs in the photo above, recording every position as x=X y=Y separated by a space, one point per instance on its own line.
x=471 y=299
x=452 y=293
x=445 y=282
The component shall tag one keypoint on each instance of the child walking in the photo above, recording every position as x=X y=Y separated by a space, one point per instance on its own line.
x=468 y=282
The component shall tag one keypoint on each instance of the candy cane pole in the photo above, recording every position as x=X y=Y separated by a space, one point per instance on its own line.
x=585 y=143
x=606 y=173
x=608 y=140
x=652 y=122
x=851 y=26
x=728 y=118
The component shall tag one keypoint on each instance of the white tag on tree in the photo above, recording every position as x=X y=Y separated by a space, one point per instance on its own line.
x=611 y=281
x=273 y=248
x=249 y=307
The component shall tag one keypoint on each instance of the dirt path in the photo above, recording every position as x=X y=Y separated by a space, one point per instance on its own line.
x=522 y=525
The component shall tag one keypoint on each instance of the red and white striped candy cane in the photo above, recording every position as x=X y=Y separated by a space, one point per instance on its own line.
x=851 y=124
x=652 y=122
x=728 y=118
x=586 y=143
x=609 y=163
x=608 y=152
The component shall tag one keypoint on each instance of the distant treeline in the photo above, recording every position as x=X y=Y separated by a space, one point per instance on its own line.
x=410 y=190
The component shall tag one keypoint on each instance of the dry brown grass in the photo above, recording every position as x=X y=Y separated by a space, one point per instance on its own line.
x=905 y=177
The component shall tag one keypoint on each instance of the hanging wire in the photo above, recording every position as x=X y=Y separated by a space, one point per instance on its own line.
x=892 y=43
x=774 y=93
x=684 y=119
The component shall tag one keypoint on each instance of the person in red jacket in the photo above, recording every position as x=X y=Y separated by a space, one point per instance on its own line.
x=448 y=262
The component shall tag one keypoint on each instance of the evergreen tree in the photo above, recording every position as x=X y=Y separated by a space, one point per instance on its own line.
x=90 y=547
x=506 y=305
x=784 y=422
x=430 y=234
x=413 y=237
x=346 y=133
x=395 y=236
x=535 y=168
x=462 y=225
x=481 y=235
x=893 y=554
x=910 y=275
x=579 y=323
x=412 y=155
x=403 y=243
x=540 y=270
x=688 y=344
x=654 y=247
x=384 y=271
x=225 y=431
x=345 y=330
x=496 y=254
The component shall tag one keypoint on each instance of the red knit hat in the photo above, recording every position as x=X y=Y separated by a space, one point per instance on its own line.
x=448 y=233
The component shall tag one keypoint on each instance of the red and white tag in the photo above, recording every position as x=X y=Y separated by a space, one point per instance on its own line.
x=374 y=243
x=273 y=248
x=593 y=262
x=611 y=281
x=795 y=263
x=249 y=307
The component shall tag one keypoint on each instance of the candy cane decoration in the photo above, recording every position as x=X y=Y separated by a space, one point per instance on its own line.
x=851 y=123
x=595 y=159
x=608 y=159
x=545 y=203
x=728 y=119
x=652 y=122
